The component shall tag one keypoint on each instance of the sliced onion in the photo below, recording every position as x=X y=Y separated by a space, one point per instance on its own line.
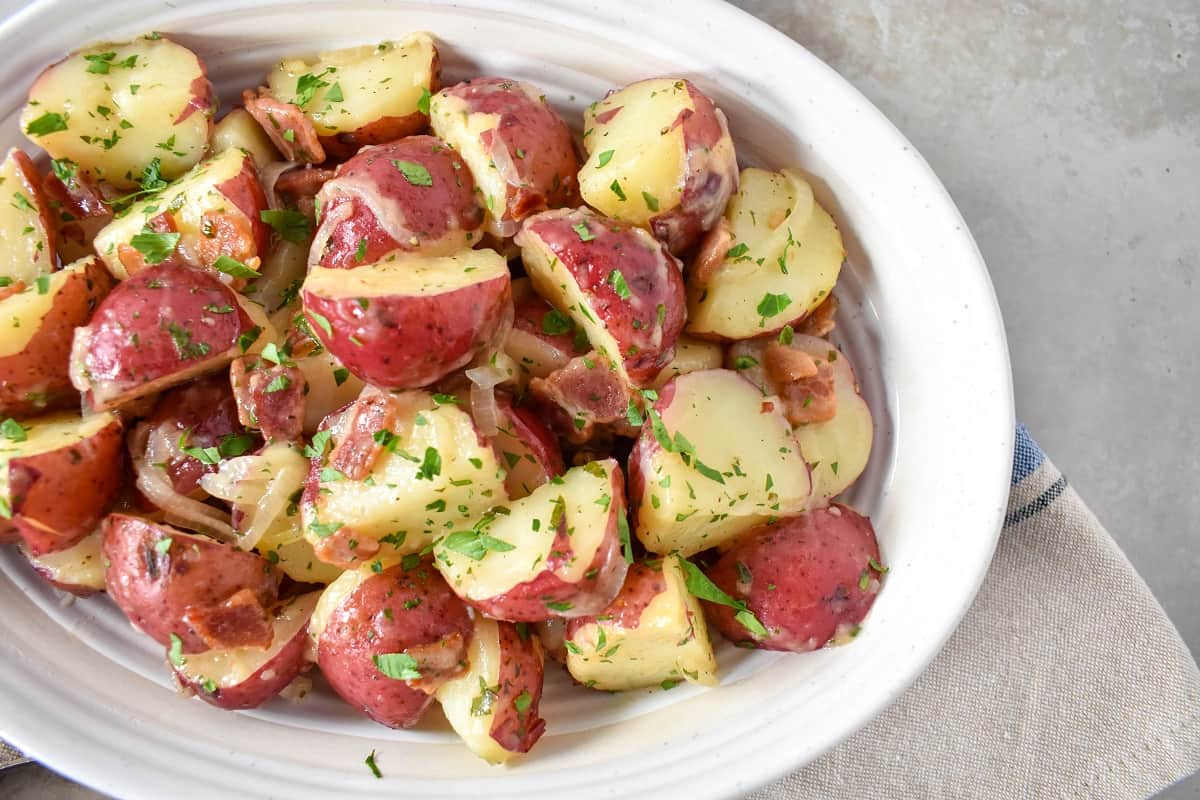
x=183 y=511
x=484 y=410
x=259 y=486
x=541 y=356
x=268 y=176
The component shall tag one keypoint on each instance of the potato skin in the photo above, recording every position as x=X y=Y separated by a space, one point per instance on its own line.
x=154 y=330
x=647 y=320
x=811 y=579
x=164 y=588
x=526 y=447
x=35 y=378
x=396 y=611
x=59 y=495
x=370 y=200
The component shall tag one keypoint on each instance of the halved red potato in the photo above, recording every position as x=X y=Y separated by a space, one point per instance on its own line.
x=169 y=583
x=239 y=130
x=58 y=475
x=114 y=107
x=357 y=96
x=404 y=468
x=79 y=569
x=527 y=449
x=659 y=156
x=247 y=677
x=691 y=355
x=616 y=282
x=406 y=323
x=542 y=339
x=784 y=257
x=80 y=206
x=561 y=551
x=809 y=580
x=714 y=460
x=27 y=232
x=831 y=420
x=191 y=429
x=652 y=634
x=330 y=387
x=209 y=214
x=518 y=149
x=413 y=195
x=36 y=326
x=387 y=640
x=494 y=707
x=160 y=328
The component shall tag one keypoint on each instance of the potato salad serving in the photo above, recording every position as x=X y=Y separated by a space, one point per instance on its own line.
x=422 y=384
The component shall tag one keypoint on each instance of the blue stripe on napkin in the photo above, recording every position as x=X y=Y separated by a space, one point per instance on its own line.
x=1027 y=457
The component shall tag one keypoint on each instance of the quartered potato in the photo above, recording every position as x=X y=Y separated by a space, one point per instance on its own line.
x=79 y=569
x=239 y=130
x=27 y=232
x=114 y=108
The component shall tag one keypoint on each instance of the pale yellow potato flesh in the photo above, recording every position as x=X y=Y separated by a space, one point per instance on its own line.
x=189 y=199
x=409 y=275
x=584 y=497
x=454 y=123
x=763 y=474
x=322 y=373
x=118 y=120
x=669 y=645
x=691 y=355
x=374 y=81
x=24 y=243
x=457 y=697
x=642 y=151
x=21 y=314
x=238 y=130
x=44 y=434
x=80 y=564
x=332 y=596
x=392 y=499
x=792 y=258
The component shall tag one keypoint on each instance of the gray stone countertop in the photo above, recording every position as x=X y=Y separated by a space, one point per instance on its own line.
x=1068 y=132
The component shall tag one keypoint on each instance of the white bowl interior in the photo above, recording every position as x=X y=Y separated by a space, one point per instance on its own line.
x=918 y=320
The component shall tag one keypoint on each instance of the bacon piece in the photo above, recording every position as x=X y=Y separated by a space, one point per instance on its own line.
x=298 y=187
x=810 y=399
x=269 y=397
x=820 y=322
x=586 y=392
x=240 y=621
x=783 y=364
x=344 y=549
x=711 y=255
x=277 y=118
x=357 y=449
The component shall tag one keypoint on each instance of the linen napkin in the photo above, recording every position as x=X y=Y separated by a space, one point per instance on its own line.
x=1065 y=679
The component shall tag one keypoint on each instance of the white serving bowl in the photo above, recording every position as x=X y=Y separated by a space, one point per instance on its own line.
x=84 y=693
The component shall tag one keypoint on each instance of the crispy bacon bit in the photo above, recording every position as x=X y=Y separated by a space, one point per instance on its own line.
x=810 y=399
x=226 y=234
x=241 y=621
x=584 y=393
x=709 y=257
x=783 y=364
x=820 y=322
x=297 y=187
x=269 y=397
x=133 y=260
x=277 y=118
x=358 y=448
x=343 y=548
x=438 y=661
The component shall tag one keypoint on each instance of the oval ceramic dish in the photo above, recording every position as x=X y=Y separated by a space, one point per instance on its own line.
x=86 y=694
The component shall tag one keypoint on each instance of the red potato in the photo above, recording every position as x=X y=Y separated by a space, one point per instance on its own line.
x=162 y=327
x=36 y=326
x=520 y=151
x=57 y=478
x=27 y=231
x=351 y=98
x=652 y=634
x=330 y=387
x=114 y=108
x=211 y=212
x=270 y=396
x=526 y=448
x=542 y=339
x=414 y=195
x=247 y=677
x=170 y=583
x=386 y=641
x=494 y=707
x=82 y=210
x=79 y=569
x=715 y=460
x=201 y=416
x=615 y=281
x=407 y=323
x=659 y=156
x=563 y=550
x=810 y=580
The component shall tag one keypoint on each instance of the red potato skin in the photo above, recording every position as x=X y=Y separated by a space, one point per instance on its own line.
x=546 y=176
x=642 y=585
x=405 y=343
x=431 y=215
x=533 y=437
x=529 y=315
x=82 y=209
x=36 y=379
x=520 y=671
x=816 y=562
x=165 y=308
x=58 y=498
x=32 y=181
x=373 y=621
x=526 y=602
x=161 y=591
x=206 y=410
x=653 y=276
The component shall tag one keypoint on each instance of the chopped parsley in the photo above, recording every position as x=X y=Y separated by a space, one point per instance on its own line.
x=234 y=268
x=292 y=226
x=475 y=544
x=617 y=281
x=414 y=173
x=397 y=666
x=699 y=585
x=155 y=247
x=47 y=123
